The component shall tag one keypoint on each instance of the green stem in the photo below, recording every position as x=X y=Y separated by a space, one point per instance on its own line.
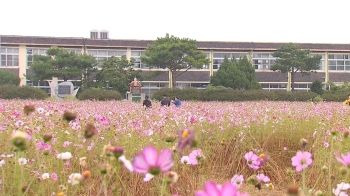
x=120 y=180
x=330 y=167
x=304 y=184
x=163 y=190
x=3 y=180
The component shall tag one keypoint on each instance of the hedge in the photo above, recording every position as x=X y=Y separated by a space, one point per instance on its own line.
x=99 y=94
x=22 y=92
x=222 y=94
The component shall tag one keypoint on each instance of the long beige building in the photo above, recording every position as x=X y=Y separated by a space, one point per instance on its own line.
x=17 y=52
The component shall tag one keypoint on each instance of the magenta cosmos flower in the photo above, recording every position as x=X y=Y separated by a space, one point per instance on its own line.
x=301 y=160
x=345 y=160
x=253 y=160
x=148 y=161
x=213 y=189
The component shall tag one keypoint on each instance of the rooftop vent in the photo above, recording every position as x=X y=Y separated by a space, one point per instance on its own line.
x=94 y=34
x=104 y=34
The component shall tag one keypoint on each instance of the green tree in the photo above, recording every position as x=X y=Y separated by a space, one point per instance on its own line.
x=8 y=78
x=229 y=75
x=291 y=58
x=63 y=64
x=175 y=54
x=117 y=73
x=316 y=87
x=247 y=68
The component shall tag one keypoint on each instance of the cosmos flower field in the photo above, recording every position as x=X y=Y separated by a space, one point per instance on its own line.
x=202 y=148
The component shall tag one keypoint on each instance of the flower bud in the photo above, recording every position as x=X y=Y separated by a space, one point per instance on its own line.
x=117 y=151
x=19 y=139
x=24 y=188
x=293 y=190
x=28 y=109
x=104 y=168
x=303 y=142
x=222 y=141
x=342 y=170
x=86 y=174
x=318 y=193
x=170 y=138
x=324 y=169
x=69 y=116
x=346 y=133
x=89 y=131
x=47 y=137
x=253 y=180
x=289 y=172
x=171 y=177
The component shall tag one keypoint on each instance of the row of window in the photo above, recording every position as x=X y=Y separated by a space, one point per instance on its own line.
x=261 y=61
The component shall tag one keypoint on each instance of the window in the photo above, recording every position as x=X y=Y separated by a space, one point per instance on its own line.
x=9 y=57
x=102 y=55
x=136 y=55
x=34 y=51
x=339 y=62
x=263 y=61
x=322 y=62
x=218 y=58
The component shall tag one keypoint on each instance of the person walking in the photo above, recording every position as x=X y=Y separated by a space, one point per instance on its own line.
x=177 y=102
x=165 y=101
x=147 y=103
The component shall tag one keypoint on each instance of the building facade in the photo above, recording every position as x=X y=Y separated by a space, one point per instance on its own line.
x=16 y=55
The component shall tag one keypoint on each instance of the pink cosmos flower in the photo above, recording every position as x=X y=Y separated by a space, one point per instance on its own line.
x=252 y=160
x=345 y=160
x=263 y=178
x=213 y=189
x=148 y=161
x=301 y=160
x=237 y=180
x=54 y=176
x=195 y=156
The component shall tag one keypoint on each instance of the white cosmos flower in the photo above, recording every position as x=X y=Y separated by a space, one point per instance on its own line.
x=64 y=155
x=22 y=161
x=74 y=178
x=126 y=163
x=186 y=160
x=40 y=110
x=2 y=162
x=45 y=176
x=148 y=177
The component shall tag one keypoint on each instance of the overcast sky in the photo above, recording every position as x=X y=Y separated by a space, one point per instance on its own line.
x=311 y=21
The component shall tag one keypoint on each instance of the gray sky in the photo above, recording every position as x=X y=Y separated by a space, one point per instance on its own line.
x=311 y=21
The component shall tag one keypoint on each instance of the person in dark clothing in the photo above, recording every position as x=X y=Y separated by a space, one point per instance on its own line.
x=147 y=103
x=165 y=101
x=177 y=102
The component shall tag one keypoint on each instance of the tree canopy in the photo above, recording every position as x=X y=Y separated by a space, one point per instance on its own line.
x=63 y=64
x=7 y=77
x=117 y=73
x=236 y=75
x=175 y=54
x=291 y=58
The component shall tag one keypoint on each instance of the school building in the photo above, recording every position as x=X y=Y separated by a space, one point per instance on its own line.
x=17 y=55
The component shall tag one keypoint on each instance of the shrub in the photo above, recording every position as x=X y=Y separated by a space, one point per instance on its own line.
x=8 y=78
x=228 y=94
x=22 y=92
x=316 y=87
x=99 y=94
x=337 y=97
x=317 y=99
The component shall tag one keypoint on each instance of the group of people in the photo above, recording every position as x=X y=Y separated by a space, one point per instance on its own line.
x=164 y=102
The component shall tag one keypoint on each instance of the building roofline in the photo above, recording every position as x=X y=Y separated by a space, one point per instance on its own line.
x=135 y=43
